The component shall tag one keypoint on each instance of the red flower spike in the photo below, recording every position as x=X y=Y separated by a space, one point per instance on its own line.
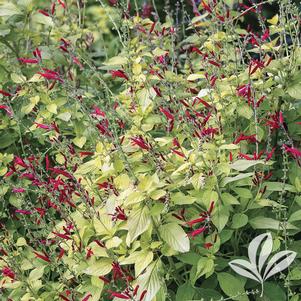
x=28 y=61
x=119 y=73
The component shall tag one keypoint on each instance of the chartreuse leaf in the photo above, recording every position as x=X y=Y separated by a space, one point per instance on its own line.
x=141 y=259
x=232 y=286
x=241 y=165
x=149 y=281
x=175 y=237
x=138 y=222
x=36 y=274
x=100 y=267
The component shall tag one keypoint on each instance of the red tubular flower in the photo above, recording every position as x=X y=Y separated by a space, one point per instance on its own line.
x=139 y=141
x=89 y=253
x=214 y=63
x=77 y=62
x=260 y=100
x=135 y=290
x=293 y=151
x=178 y=153
x=63 y=297
x=202 y=101
x=37 y=53
x=242 y=137
x=117 y=271
x=7 y=272
x=244 y=91
x=119 y=73
x=208 y=245
x=87 y=297
x=119 y=214
x=61 y=254
x=63 y=236
x=167 y=114
x=50 y=75
x=275 y=121
x=119 y=295
x=5 y=93
x=62 y=4
x=44 y=12
x=197 y=50
x=18 y=190
x=28 y=61
x=53 y=8
x=206 y=7
x=265 y=35
x=104 y=279
x=270 y=154
x=195 y=221
x=142 y=295
x=24 y=212
x=43 y=126
x=197 y=232
x=61 y=172
x=43 y=257
x=7 y=110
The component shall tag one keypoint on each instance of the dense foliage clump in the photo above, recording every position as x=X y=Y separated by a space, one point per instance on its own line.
x=141 y=150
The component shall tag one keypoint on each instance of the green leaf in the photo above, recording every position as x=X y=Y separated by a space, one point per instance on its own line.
x=185 y=292
x=220 y=217
x=175 y=237
x=229 y=199
x=232 y=286
x=241 y=165
x=261 y=222
x=295 y=216
x=239 y=220
x=243 y=192
x=205 y=266
x=138 y=222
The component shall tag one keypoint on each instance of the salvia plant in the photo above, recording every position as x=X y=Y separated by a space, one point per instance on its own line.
x=150 y=151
